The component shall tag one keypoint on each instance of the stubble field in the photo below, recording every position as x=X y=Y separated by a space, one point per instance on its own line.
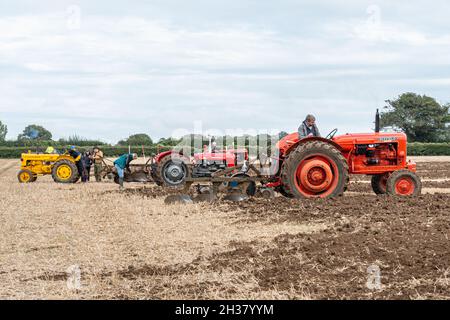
x=90 y=241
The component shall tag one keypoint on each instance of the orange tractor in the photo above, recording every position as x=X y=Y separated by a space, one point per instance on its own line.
x=303 y=168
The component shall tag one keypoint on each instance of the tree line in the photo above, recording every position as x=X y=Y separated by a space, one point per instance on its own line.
x=420 y=117
x=35 y=135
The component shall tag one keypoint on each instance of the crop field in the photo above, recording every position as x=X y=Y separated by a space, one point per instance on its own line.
x=91 y=241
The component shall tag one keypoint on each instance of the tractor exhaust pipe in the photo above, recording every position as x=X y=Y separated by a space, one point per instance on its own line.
x=377 y=122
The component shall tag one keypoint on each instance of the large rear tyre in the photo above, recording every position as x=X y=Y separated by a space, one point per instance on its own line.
x=26 y=176
x=172 y=171
x=379 y=182
x=315 y=169
x=65 y=171
x=404 y=183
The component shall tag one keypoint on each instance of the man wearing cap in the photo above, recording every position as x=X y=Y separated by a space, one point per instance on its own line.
x=122 y=163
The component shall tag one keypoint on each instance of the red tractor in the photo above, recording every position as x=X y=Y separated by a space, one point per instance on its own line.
x=173 y=169
x=305 y=168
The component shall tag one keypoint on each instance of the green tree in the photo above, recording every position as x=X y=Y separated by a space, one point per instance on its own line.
x=35 y=132
x=3 y=131
x=421 y=117
x=76 y=140
x=140 y=139
x=169 y=141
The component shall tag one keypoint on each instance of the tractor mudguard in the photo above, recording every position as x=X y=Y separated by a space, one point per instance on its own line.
x=290 y=142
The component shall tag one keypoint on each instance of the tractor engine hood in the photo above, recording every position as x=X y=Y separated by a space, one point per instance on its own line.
x=349 y=140
x=345 y=142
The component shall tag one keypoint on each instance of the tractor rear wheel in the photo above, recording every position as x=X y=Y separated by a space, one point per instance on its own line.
x=26 y=176
x=404 y=183
x=65 y=171
x=172 y=171
x=379 y=183
x=315 y=169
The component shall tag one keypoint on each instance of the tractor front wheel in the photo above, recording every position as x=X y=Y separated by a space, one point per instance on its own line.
x=315 y=169
x=26 y=176
x=65 y=171
x=404 y=183
x=379 y=182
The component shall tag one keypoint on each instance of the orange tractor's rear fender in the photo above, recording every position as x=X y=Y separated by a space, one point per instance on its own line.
x=292 y=141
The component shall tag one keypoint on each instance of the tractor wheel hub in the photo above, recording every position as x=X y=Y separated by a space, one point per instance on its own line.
x=64 y=172
x=174 y=172
x=316 y=175
x=404 y=186
x=25 y=176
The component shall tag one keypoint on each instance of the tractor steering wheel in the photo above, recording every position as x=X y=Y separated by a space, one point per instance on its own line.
x=332 y=134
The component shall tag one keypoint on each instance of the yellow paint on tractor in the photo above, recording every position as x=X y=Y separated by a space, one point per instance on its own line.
x=34 y=165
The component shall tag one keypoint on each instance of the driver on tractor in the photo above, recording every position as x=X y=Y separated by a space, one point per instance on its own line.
x=308 y=128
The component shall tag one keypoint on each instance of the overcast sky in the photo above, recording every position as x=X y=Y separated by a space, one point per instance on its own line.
x=107 y=69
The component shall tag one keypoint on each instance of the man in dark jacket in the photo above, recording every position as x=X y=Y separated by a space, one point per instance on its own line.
x=87 y=162
x=76 y=155
x=308 y=128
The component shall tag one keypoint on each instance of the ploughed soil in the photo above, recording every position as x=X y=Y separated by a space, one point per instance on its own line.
x=433 y=169
x=406 y=239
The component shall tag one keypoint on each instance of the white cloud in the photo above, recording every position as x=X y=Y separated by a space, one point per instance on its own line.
x=120 y=74
x=38 y=67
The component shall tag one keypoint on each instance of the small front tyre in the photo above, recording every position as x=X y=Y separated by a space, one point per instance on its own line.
x=403 y=183
x=26 y=176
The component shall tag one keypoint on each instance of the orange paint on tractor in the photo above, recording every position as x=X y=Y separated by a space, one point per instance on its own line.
x=366 y=153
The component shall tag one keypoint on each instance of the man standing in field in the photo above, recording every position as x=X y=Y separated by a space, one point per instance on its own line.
x=308 y=128
x=76 y=155
x=97 y=157
x=87 y=162
x=122 y=163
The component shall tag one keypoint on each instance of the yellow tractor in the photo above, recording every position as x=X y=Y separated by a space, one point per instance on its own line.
x=62 y=167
